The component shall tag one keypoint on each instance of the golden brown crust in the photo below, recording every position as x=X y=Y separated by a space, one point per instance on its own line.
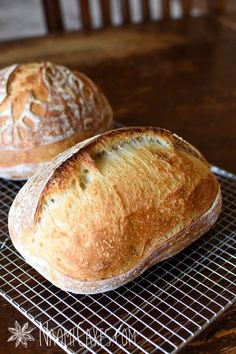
x=167 y=249
x=117 y=203
x=45 y=108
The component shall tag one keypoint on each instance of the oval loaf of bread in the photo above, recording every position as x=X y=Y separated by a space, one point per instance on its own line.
x=102 y=212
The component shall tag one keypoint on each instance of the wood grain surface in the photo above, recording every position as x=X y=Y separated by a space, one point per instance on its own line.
x=180 y=75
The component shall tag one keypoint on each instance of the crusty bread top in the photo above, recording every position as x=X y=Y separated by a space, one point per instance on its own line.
x=42 y=103
x=102 y=206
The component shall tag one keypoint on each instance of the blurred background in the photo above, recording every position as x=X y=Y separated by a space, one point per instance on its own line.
x=25 y=18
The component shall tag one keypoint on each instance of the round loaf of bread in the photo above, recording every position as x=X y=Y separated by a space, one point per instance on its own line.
x=108 y=208
x=45 y=109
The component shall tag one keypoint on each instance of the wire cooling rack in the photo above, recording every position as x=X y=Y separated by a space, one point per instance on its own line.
x=159 y=312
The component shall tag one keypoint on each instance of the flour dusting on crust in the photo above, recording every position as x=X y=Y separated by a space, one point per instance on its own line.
x=44 y=103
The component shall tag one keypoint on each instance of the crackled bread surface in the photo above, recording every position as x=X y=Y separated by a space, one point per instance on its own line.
x=44 y=109
x=106 y=209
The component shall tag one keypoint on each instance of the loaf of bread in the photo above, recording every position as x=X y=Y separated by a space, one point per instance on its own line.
x=102 y=212
x=45 y=109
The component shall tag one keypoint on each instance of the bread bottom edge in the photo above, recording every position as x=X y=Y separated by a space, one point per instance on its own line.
x=19 y=172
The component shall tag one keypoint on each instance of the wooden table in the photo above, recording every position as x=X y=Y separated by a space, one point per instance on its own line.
x=179 y=75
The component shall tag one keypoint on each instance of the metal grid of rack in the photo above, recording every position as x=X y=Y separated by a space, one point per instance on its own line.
x=159 y=312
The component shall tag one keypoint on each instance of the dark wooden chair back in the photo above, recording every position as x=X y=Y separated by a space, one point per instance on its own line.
x=54 y=21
